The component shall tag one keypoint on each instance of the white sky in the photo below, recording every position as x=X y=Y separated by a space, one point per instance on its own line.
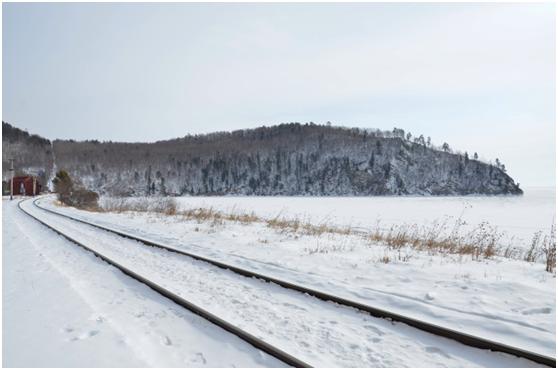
x=479 y=76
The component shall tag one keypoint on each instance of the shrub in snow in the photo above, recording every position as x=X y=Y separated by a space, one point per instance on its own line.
x=73 y=194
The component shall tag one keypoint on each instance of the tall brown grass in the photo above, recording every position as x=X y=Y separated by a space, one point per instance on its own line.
x=439 y=238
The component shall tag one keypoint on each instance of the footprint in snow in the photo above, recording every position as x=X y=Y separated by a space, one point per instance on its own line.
x=374 y=329
x=199 y=358
x=89 y=334
x=166 y=341
x=290 y=305
x=430 y=296
x=86 y=335
x=437 y=351
x=535 y=311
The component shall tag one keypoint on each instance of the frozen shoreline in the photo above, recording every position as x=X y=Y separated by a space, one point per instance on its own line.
x=517 y=217
x=511 y=299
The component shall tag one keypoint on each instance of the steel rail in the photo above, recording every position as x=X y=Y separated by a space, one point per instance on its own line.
x=464 y=338
x=247 y=337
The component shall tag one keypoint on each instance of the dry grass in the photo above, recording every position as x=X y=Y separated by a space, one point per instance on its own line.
x=482 y=241
x=535 y=250
x=543 y=247
x=165 y=206
x=305 y=228
x=385 y=259
x=440 y=238
x=549 y=250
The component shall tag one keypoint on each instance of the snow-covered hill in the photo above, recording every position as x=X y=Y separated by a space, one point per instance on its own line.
x=288 y=159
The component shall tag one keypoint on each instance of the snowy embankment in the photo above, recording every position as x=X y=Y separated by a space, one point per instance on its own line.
x=497 y=298
x=63 y=307
x=320 y=333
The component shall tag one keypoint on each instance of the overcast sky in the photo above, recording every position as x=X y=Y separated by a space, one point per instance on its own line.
x=479 y=76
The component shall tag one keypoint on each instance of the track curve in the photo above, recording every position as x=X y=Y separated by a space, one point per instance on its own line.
x=253 y=340
x=467 y=339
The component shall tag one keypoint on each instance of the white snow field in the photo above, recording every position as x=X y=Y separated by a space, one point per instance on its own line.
x=497 y=298
x=518 y=217
x=64 y=307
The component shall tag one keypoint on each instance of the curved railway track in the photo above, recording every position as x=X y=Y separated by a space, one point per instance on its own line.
x=253 y=340
x=463 y=338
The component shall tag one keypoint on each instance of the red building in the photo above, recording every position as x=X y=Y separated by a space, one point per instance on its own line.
x=26 y=185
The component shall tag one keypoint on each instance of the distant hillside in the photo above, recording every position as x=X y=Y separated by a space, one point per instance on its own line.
x=32 y=154
x=288 y=159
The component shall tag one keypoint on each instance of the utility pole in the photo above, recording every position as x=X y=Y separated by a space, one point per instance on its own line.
x=12 y=180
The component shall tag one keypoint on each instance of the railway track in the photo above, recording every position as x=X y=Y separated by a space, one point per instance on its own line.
x=253 y=340
x=463 y=338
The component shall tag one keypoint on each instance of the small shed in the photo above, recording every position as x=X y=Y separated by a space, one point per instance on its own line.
x=26 y=185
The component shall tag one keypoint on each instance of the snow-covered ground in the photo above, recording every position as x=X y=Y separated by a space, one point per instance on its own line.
x=318 y=332
x=519 y=217
x=63 y=307
x=506 y=300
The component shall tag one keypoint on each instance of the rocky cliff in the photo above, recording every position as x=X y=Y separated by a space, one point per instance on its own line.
x=288 y=159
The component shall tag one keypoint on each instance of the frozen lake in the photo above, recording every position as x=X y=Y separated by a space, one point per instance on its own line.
x=518 y=216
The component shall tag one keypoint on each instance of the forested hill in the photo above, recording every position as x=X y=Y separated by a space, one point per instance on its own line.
x=32 y=154
x=288 y=159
